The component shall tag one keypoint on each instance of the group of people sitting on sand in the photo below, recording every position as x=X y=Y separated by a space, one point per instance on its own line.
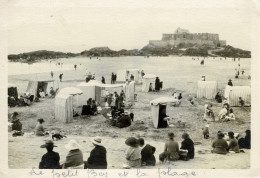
x=74 y=159
x=90 y=109
x=225 y=114
x=120 y=118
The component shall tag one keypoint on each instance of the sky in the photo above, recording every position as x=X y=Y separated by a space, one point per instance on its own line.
x=74 y=26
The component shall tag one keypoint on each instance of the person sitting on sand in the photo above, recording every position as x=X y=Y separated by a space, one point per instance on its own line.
x=74 y=159
x=163 y=118
x=230 y=116
x=171 y=150
x=98 y=156
x=223 y=112
x=241 y=102
x=151 y=87
x=220 y=145
x=133 y=154
x=209 y=114
x=147 y=154
x=86 y=109
x=50 y=160
x=187 y=144
x=16 y=124
x=39 y=130
x=93 y=108
x=233 y=143
x=123 y=121
x=245 y=142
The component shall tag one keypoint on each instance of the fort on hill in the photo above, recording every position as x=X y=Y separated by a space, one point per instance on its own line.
x=183 y=36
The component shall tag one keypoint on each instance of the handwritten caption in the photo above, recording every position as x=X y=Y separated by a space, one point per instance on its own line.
x=92 y=173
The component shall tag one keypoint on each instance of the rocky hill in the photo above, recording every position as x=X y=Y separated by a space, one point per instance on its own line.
x=148 y=50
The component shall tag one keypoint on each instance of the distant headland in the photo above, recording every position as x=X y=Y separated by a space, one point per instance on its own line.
x=181 y=43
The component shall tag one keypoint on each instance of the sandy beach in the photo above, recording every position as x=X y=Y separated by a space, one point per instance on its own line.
x=25 y=152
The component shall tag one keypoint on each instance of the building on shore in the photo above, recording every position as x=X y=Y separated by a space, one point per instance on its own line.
x=183 y=36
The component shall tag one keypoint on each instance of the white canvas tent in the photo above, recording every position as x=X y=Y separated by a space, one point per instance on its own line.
x=147 y=79
x=232 y=94
x=97 y=91
x=34 y=86
x=130 y=91
x=124 y=74
x=207 y=89
x=73 y=91
x=155 y=106
x=88 y=91
x=64 y=108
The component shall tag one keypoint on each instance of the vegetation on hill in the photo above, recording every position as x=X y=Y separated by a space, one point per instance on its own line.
x=148 y=50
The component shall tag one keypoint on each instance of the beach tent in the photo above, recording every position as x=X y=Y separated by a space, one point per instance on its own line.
x=156 y=106
x=34 y=86
x=12 y=90
x=232 y=94
x=96 y=90
x=130 y=91
x=64 y=108
x=207 y=89
x=147 y=79
x=75 y=92
x=124 y=74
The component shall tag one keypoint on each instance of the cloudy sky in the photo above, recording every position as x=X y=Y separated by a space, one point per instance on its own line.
x=77 y=25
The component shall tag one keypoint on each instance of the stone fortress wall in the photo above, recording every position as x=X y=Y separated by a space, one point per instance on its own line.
x=182 y=36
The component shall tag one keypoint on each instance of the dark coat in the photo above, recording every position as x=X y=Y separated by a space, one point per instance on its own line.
x=123 y=121
x=245 y=142
x=97 y=158
x=86 y=110
x=148 y=155
x=157 y=84
x=50 y=160
x=188 y=144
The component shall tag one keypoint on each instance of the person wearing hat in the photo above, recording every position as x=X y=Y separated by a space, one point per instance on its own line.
x=245 y=142
x=51 y=159
x=98 y=156
x=74 y=159
x=16 y=124
x=220 y=145
x=233 y=143
x=39 y=130
x=133 y=154
x=230 y=82
x=171 y=149
x=187 y=144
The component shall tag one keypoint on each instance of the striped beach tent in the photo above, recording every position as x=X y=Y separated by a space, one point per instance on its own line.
x=64 y=108
x=232 y=94
x=207 y=89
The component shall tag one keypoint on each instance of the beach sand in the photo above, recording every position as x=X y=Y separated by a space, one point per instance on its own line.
x=25 y=152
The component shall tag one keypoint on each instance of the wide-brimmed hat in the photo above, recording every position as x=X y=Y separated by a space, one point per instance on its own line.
x=48 y=144
x=131 y=141
x=207 y=125
x=72 y=145
x=229 y=80
x=220 y=135
x=41 y=120
x=97 y=140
